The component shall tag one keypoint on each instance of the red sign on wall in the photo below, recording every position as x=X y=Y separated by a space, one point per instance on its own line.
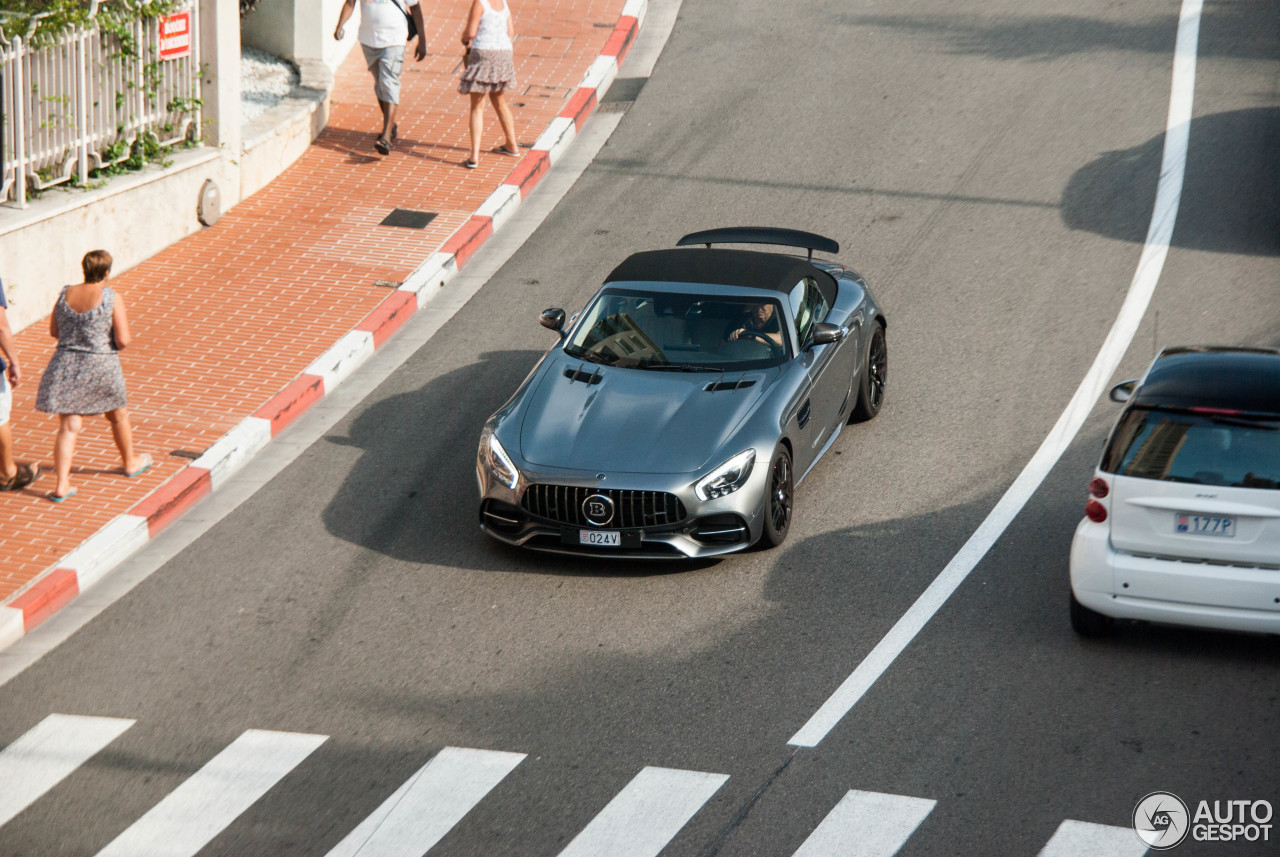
x=175 y=35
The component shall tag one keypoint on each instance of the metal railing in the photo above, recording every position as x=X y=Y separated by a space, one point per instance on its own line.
x=80 y=104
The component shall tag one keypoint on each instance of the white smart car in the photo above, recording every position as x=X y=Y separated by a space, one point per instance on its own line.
x=1182 y=523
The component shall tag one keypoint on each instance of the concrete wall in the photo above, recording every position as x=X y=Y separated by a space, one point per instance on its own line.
x=279 y=136
x=132 y=218
x=299 y=30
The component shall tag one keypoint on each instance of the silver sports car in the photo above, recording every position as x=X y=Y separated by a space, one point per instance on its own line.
x=681 y=409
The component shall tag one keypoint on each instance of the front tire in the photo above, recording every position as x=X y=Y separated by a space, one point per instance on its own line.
x=1089 y=623
x=873 y=378
x=780 y=499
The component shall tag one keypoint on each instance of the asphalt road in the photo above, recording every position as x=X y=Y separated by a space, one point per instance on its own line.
x=990 y=168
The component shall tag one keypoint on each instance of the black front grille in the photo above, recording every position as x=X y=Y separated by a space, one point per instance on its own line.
x=563 y=504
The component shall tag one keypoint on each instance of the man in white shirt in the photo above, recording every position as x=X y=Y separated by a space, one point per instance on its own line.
x=384 y=29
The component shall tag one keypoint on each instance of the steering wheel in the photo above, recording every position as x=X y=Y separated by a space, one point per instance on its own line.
x=774 y=348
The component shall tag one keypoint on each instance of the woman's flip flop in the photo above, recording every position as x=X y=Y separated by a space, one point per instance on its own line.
x=141 y=470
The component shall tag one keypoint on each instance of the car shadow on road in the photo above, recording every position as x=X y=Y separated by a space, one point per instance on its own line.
x=419 y=447
x=1228 y=205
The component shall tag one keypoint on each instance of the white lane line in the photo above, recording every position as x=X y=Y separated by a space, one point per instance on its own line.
x=1168 y=195
x=429 y=804
x=214 y=796
x=866 y=824
x=1081 y=839
x=47 y=754
x=643 y=817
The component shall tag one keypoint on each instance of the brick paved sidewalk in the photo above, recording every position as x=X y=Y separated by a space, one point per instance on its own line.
x=228 y=318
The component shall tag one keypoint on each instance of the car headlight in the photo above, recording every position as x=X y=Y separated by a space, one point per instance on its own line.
x=726 y=478
x=496 y=460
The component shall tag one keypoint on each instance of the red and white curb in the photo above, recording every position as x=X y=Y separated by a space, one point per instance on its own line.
x=118 y=540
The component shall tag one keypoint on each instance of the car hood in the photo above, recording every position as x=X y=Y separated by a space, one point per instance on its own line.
x=633 y=420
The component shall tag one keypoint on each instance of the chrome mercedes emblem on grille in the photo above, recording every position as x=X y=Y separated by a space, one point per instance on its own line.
x=598 y=510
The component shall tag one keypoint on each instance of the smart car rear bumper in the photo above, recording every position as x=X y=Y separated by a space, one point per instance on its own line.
x=1178 y=592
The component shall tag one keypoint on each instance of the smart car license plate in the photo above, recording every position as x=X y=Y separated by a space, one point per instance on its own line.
x=1184 y=523
x=600 y=538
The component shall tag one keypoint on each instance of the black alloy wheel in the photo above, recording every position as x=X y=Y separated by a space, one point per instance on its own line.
x=873 y=379
x=778 y=505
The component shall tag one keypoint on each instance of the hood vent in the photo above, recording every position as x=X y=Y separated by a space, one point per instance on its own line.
x=577 y=374
x=720 y=386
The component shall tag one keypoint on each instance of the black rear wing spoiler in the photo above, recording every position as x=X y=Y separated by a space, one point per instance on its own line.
x=762 y=235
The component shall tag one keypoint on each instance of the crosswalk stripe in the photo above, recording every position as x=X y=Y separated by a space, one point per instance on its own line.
x=429 y=804
x=47 y=753
x=866 y=824
x=1080 y=838
x=643 y=817
x=214 y=796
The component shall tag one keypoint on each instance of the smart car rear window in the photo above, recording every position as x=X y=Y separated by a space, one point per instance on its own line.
x=1195 y=448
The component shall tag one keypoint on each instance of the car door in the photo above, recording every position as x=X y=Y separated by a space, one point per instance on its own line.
x=827 y=366
x=813 y=412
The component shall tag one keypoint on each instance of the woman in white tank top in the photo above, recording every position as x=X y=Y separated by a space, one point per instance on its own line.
x=489 y=70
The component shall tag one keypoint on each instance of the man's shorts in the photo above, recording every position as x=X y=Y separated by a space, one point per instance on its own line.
x=384 y=65
x=6 y=397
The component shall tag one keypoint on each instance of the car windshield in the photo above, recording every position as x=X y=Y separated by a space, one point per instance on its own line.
x=1198 y=448
x=669 y=332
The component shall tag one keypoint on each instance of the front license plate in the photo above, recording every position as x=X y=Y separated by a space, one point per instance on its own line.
x=1185 y=523
x=600 y=538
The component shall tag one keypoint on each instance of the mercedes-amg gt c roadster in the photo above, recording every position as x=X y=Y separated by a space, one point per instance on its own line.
x=683 y=406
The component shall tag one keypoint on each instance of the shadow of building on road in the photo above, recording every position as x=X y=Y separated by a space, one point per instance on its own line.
x=1230 y=202
x=1230 y=29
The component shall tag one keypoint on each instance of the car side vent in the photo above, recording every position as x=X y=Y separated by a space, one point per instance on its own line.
x=720 y=386
x=577 y=374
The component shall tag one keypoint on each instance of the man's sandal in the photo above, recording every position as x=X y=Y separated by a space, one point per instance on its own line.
x=24 y=476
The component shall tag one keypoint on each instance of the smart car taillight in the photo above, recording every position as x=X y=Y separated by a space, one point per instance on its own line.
x=1099 y=488
x=1095 y=511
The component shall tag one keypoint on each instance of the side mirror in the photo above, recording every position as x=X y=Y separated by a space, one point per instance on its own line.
x=1123 y=391
x=553 y=319
x=825 y=334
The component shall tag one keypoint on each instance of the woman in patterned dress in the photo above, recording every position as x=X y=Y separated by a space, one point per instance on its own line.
x=83 y=377
x=489 y=70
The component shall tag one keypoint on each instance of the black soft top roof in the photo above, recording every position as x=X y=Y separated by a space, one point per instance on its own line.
x=776 y=271
x=1237 y=379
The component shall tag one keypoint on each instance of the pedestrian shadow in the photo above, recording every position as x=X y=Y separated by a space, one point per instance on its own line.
x=419 y=449
x=357 y=145
x=437 y=153
x=1228 y=205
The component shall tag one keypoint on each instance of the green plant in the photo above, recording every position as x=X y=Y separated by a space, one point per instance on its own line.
x=45 y=22
x=53 y=18
x=184 y=105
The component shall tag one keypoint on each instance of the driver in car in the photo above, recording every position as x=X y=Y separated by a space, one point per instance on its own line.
x=758 y=321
